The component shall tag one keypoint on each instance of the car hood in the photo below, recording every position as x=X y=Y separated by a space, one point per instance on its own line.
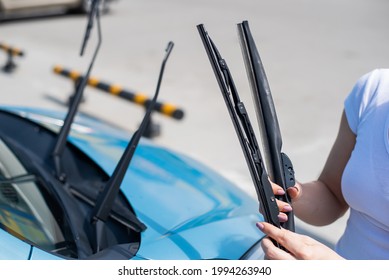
x=190 y=211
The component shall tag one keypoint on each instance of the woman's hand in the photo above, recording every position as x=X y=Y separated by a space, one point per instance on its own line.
x=299 y=247
x=294 y=193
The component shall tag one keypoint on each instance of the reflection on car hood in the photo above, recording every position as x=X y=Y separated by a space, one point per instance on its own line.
x=190 y=211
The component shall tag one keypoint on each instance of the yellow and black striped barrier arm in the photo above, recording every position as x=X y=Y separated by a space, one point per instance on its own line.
x=11 y=52
x=117 y=90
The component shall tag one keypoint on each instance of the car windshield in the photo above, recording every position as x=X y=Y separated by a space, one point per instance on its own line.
x=24 y=210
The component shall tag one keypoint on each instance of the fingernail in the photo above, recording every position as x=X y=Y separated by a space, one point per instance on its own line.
x=280 y=192
x=282 y=217
x=260 y=226
x=287 y=208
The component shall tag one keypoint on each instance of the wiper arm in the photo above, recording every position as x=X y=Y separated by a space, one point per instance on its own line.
x=73 y=108
x=128 y=219
x=107 y=197
x=278 y=164
x=244 y=130
x=18 y=179
x=92 y=13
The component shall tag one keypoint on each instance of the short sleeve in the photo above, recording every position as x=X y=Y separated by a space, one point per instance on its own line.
x=357 y=102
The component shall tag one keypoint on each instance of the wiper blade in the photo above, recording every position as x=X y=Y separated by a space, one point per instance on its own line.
x=73 y=108
x=107 y=197
x=278 y=164
x=244 y=130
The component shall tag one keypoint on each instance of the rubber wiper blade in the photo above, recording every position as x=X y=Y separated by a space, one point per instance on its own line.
x=278 y=164
x=244 y=130
x=106 y=198
x=76 y=100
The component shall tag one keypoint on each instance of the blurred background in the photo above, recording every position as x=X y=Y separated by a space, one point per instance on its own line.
x=313 y=52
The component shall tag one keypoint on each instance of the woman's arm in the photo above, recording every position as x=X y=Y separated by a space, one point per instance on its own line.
x=321 y=202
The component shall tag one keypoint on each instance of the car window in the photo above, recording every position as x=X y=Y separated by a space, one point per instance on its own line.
x=25 y=210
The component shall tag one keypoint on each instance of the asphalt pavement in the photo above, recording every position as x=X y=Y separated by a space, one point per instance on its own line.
x=313 y=52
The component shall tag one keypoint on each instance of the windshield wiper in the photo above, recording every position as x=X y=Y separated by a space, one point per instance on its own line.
x=244 y=130
x=107 y=197
x=20 y=179
x=278 y=164
x=92 y=13
x=65 y=129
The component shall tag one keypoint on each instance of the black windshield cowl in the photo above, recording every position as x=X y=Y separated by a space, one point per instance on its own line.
x=32 y=143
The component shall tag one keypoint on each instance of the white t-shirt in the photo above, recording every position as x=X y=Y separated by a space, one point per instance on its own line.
x=365 y=181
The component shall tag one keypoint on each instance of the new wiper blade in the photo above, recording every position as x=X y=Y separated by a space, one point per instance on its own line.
x=278 y=164
x=107 y=197
x=244 y=130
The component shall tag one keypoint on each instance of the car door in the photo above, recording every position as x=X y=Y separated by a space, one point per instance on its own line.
x=21 y=4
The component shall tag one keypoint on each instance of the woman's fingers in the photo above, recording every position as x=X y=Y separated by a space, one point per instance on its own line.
x=282 y=206
x=278 y=234
x=282 y=217
x=274 y=253
x=295 y=191
x=298 y=246
x=277 y=190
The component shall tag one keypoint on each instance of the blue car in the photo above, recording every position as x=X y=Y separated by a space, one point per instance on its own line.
x=169 y=205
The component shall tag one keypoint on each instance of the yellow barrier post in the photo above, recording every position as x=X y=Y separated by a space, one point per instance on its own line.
x=141 y=99
x=11 y=53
